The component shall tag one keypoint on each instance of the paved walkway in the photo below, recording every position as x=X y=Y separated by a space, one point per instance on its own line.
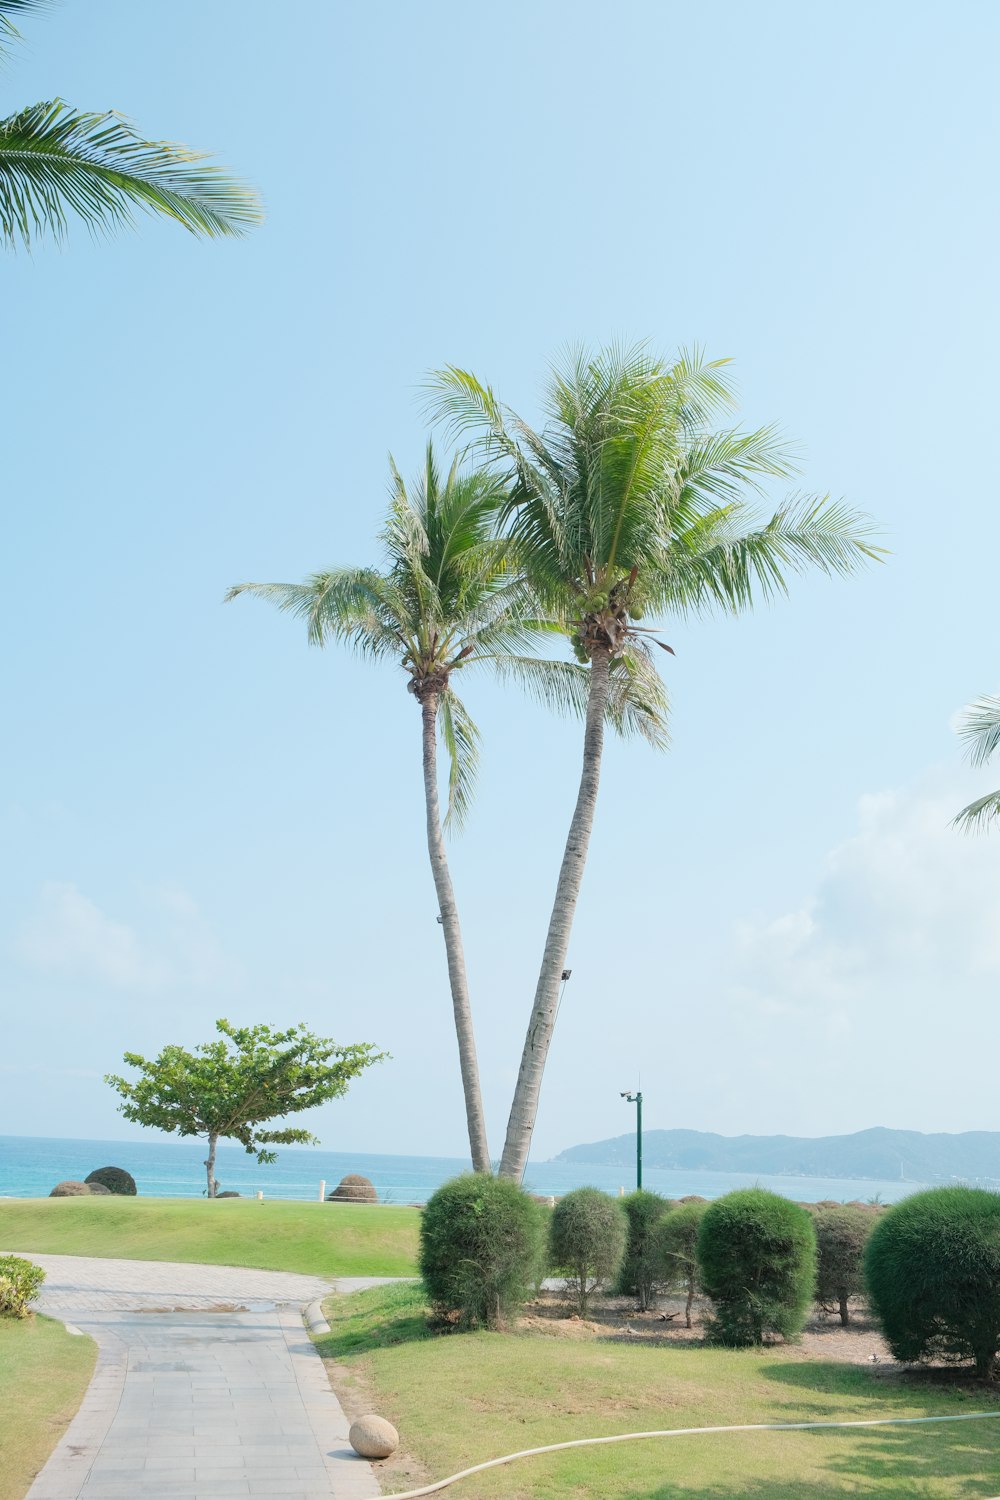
x=206 y=1387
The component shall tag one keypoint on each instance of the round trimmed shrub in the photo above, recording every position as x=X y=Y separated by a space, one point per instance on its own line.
x=588 y=1233
x=115 y=1179
x=70 y=1190
x=98 y=1190
x=932 y=1267
x=353 y=1189
x=757 y=1263
x=20 y=1281
x=841 y=1236
x=229 y=1194
x=641 y=1272
x=677 y=1247
x=481 y=1245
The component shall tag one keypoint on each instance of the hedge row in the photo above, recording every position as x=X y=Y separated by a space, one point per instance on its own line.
x=930 y=1265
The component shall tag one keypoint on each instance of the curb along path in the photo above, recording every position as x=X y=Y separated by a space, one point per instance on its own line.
x=207 y=1386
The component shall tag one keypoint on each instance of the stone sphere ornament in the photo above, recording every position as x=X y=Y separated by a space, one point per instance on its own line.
x=373 y=1437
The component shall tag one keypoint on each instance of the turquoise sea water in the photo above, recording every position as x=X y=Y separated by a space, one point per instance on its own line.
x=31 y=1166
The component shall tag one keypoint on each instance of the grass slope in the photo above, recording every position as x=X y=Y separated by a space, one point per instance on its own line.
x=323 y=1239
x=44 y=1372
x=463 y=1398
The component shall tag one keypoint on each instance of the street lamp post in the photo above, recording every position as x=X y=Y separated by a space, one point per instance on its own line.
x=636 y=1099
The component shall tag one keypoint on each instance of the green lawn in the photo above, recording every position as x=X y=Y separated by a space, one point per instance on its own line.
x=463 y=1398
x=44 y=1372
x=324 y=1239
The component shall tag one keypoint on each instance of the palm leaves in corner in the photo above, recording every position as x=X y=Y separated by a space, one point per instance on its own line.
x=57 y=161
x=980 y=729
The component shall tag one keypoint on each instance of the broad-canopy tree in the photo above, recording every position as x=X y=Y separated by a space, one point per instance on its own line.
x=450 y=599
x=631 y=503
x=980 y=729
x=56 y=161
x=228 y=1089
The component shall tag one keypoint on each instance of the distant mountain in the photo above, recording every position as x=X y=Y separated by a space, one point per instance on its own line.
x=882 y=1153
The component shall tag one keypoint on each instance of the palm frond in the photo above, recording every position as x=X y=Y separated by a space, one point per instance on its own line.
x=637 y=701
x=55 y=160
x=561 y=686
x=461 y=739
x=356 y=605
x=718 y=562
x=9 y=34
x=980 y=729
x=979 y=815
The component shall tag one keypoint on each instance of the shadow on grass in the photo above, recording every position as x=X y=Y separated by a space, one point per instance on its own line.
x=376 y=1319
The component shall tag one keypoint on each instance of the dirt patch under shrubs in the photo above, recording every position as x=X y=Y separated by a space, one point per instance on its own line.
x=616 y=1319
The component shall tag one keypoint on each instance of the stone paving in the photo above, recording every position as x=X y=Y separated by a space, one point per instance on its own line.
x=189 y=1403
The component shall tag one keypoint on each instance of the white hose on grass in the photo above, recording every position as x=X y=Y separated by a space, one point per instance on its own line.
x=632 y=1437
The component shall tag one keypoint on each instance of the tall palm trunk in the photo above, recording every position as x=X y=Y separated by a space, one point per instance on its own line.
x=453 y=943
x=524 y=1108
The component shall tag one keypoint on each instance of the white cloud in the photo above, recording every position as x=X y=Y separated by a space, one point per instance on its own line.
x=875 y=1000
x=69 y=935
x=907 y=899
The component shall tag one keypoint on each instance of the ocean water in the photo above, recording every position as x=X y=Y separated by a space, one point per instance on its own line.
x=31 y=1166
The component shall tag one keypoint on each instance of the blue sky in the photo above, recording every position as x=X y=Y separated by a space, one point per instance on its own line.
x=203 y=818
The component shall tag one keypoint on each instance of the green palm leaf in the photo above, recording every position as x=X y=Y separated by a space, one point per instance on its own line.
x=980 y=729
x=461 y=740
x=727 y=558
x=56 y=161
x=9 y=33
x=979 y=814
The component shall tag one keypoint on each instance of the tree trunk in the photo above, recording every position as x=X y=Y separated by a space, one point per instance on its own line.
x=688 y=1304
x=213 y=1186
x=453 y=944
x=845 y=1313
x=524 y=1108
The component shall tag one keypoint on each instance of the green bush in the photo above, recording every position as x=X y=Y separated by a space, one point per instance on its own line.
x=481 y=1245
x=932 y=1267
x=841 y=1236
x=642 y=1271
x=19 y=1284
x=70 y=1189
x=677 y=1249
x=587 y=1236
x=115 y=1179
x=757 y=1263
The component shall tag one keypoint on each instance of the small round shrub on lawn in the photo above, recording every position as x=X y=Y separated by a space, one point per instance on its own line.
x=587 y=1237
x=20 y=1281
x=70 y=1189
x=932 y=1266
x=757 y=1261
x=841 y=1236
x=481 y=1246
x=115 y=1179
x=353 y=1189
x=641 y=1272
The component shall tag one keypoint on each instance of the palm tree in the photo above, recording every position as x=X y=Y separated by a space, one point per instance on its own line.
x=980 y=729
x=628 y=503
x=55 y=160
x=448 y=601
